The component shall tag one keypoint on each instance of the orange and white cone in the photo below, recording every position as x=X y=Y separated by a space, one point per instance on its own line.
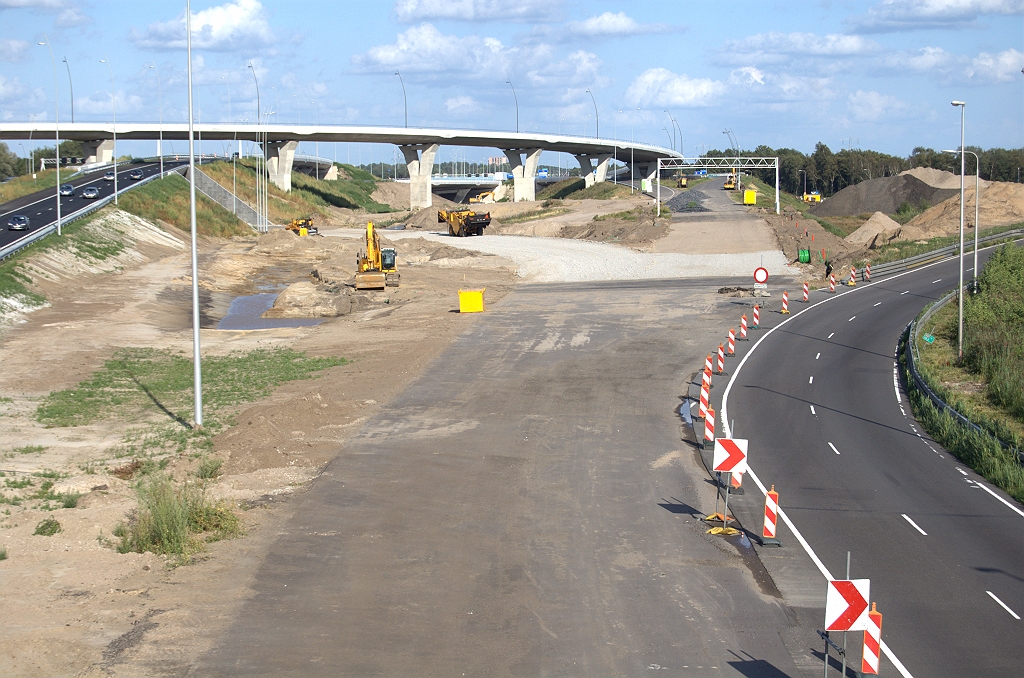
x=872 y=643
x=732 y=341
x=785 y=302
x=721 y=359
x=705 y=379
x=708 y=365
x=702 y=412
x=743 y=327
x=806 y=293
x=709 y=429
x=867 y=272
x=771 y=518
x=736 y=481
x=832 y=284
x=853 y=277
x=757 y=317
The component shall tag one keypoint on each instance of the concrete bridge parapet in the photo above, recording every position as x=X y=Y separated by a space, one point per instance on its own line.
x=419 y=159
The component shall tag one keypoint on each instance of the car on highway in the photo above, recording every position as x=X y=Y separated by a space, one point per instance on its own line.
x=67 y=189
x=135 y=174
x=91 y=193
x=19 y=222
x=109 y=176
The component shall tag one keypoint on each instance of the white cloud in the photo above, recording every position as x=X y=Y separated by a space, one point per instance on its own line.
x=662 y=87
x=425 y=49
x=614 y=25
x=98 y=103
x=411 y=11
x=580 y=67
x=39 y=4
x=1004 y=66
x=242 y=23
x=13 y=50
x=872 y=106
x=776 y=47
x=748 y=75
x=70 y=14
x=905 y=15
x=463 y=104
x=1001 y=67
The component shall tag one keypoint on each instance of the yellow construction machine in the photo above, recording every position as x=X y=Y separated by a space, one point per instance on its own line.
x=303 y=227
x=730 y=182
x=813 y=197
x=681 y=183
x=464 y=222
x=375 y=268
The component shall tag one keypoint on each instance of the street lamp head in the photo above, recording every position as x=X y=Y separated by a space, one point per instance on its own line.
x=42 y=43
x=959 y=103
x=949 y=150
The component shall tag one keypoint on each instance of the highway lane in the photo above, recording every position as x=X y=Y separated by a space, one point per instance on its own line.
x=41 y=207
x=830 y=428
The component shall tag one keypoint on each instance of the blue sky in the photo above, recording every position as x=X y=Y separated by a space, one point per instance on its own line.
x=876 y=76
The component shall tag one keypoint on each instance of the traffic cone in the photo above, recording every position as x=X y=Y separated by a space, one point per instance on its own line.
x=736 y=483
x=872 y=643
x=867 y=272
x=702 y=411
x=721 y=359
x=743 y=327
x=708 y=365
x=832 y=284
x=757 y=318
x=709 y=429
x=732 y=341
x=806 y=293
x=853 y=277
x=785 y=302
x=771 y=518
x=705 y=379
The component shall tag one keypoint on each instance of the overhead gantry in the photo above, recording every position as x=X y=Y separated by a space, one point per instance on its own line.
x=419 y=148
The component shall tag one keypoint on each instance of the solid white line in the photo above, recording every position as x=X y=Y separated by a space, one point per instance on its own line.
x=962 y=472
x=1004 y=605
x=811 y=380
x=833 y=448
x=971 y=268
x=831 y=335
x=990 y=491
x=851 y=319
x=935 y=281
x=916 y=526
x=896 y=386
x=902 y=293
x=812 y=411
x=878 y=304
x=817 y=356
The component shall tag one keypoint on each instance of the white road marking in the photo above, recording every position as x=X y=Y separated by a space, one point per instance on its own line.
x=817 y=356
x=902 y=293
x=935 y=281
x=811 y=380
x=1004 y=606
x=851 y=319
x=990 y=491
x=831 y=335
x=878 y=304
x=812 y=411
x=693 y=404
x=833 y=448
x=916 y=526
x=962 y=472
x=896 y=385
x=971 y=268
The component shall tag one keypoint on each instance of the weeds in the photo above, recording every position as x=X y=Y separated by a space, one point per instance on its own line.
x=47 y=528
x=905 y=212
x=3 y=553
x=532 y=215
x=628 y=215
x=209 y=468
x=28 y=449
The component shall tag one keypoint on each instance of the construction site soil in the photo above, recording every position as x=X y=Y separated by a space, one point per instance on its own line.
x=884 y=194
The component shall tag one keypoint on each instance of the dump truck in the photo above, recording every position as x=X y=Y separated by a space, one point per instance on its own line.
x=376 y=267
x=464 y=222
x=303 y=227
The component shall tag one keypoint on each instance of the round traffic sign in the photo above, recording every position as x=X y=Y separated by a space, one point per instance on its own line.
x=761 y=275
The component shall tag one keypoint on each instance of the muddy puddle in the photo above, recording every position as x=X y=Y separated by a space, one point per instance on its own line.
x=244 y=314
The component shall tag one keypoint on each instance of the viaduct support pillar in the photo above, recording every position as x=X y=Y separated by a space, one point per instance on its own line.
x=524 y=174
x=280 y=155
x=593 y=175
x=643 y=170
x=98 y=151
x=419 y=159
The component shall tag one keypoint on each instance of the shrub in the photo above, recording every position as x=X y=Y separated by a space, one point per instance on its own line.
x=47 y=528
x=209 y=468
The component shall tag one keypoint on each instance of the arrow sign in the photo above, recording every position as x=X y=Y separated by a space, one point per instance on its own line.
x=846 y=605
x=730 y=455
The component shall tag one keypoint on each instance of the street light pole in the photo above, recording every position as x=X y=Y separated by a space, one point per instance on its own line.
x=960 y=289
x=509 y=81
x=597 y=117
x=56 y=118
x=71 y=85
x=977 y=212
x=160 y=99
x=113 y=111
x=804 y=172
x=197 y=370
x=405 y=98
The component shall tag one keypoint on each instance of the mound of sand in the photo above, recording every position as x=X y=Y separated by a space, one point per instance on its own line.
x=640 y=230
x=1002 y=204
x=877 y=225
x=282 y=243
x=392 y=193
x=306 y=300
x=884 y=194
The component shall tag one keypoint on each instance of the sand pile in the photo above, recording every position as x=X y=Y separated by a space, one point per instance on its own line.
x=1002 y=204
x=876 y=231
x=884 y=194
x=306 y=300
x=392 y=193
x=940 y=178
x=282 y=243
x=641 y=229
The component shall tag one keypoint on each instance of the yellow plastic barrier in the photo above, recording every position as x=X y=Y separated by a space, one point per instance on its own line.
x=749 y=197
x=471 y=301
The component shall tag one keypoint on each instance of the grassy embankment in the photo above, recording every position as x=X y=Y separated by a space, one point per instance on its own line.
x=26 y=185
x=167 y=200
x=988 y=387
x=575 y=188
x=308 y=197
x=155 y=388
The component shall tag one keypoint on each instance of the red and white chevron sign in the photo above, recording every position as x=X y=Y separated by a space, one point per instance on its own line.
x=846 y=605
x=730 y=455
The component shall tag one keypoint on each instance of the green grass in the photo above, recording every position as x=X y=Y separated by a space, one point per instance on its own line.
x=209 y=468
x=28 y=449
x=575 y=188
x=167 y=199
x=829 y=226
x=628 y=215
x=3 y=553
x=26 y=185
x=905 y=212
x=902 y=250
x=562 y=189
x=47 y=528
x=533 y=215
x=174 y=520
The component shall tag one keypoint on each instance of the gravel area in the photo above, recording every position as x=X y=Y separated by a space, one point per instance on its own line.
x=560 y=260
x=681 y=202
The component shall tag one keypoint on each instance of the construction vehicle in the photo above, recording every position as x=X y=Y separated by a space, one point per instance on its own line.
x=375 y=268
x=681 y=183
x=486 y=196
x=464 y=222
x=812 y=197
x=303 y=227
x=730 y=182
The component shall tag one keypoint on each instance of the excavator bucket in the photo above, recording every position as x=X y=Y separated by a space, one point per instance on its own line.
x=371 y=280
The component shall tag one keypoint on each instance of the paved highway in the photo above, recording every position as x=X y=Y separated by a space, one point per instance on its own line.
x=830 y=428
x=41 y=207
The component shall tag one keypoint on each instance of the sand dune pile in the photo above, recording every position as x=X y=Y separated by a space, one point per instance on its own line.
x=876 y=231
x=1002 y=204
x=940 y=178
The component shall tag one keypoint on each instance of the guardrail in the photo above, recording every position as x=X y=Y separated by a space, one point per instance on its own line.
x=30 y=238
x=913 y=356
x=934 y=255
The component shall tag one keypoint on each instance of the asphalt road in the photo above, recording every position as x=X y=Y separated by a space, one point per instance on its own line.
x=831 y=430
x=41 y=207
x=526 y=507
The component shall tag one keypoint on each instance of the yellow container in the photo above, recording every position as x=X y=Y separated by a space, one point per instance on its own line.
x=471 y=301
x=749 y=197
x=303 y=231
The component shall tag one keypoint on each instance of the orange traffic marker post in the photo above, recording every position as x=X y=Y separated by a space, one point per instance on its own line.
x=806 y=293
x=867 y=272
x=872 y=643
x=732 y=341
x=721 y=359
x=709 y=429
x=743 y=328
x=832 y=284
x=757 y=318
x=785 y=303
x=771 y=519
x=852 y=282
x=702 y=412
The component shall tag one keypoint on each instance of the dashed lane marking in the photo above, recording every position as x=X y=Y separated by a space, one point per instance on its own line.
x=831 y=335
x=812 y=411
x=962 y=472
x=916 y=526
x=811 y=380
x=1004 y=605
x=902 y=293
x=878 y=304
x=833 y=448
x=851 y=319
x=817 y=356
x=935 y=281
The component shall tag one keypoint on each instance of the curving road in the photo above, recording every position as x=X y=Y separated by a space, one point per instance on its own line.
x=830 y=428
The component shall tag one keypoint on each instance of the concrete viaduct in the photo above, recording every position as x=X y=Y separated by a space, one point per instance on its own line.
x=418 y=146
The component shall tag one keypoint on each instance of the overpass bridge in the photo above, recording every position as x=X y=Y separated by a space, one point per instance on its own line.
x=418 y=145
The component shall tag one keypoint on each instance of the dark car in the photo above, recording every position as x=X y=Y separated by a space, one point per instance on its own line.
x=109 y=176
x=135 y=175
x=19 y=222
x=91 y=193
x=67 y=189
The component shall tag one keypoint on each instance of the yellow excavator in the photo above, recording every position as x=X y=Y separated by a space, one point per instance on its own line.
x=464 y=222
x=303 y=227
x=375 y=268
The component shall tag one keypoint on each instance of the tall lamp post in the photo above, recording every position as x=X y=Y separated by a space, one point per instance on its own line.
x=160 y=100
x=597 y=118
x=804 y=172
x=405 y=98
x=56 y=126
x=509 y=82
x=977 y=202
x=960 y=289
x=673 y=129
x=197 y=369
x=113 y=111
x=71 y=85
